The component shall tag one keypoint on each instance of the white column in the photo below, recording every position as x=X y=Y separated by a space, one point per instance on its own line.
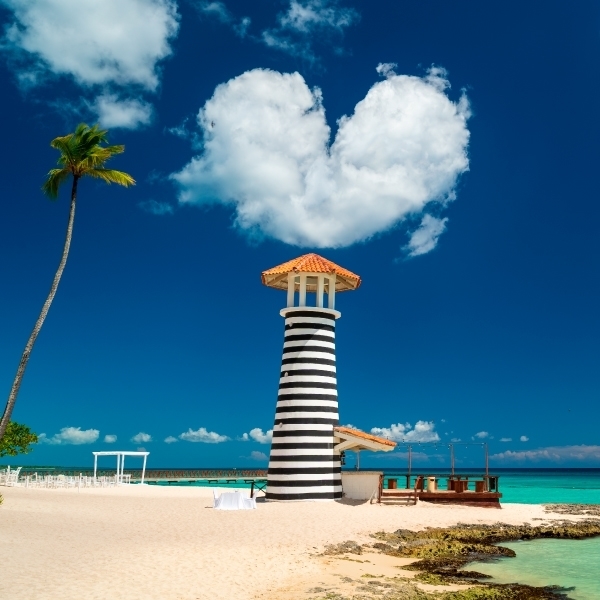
x=95 y=464
x=320 y=290
x=331 y=293
x=291 y=288
x=144 y=468
x=122 y=468
x=302 y=299
x=118 y=467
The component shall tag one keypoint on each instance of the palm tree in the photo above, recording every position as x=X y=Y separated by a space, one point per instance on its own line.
x=81 y=155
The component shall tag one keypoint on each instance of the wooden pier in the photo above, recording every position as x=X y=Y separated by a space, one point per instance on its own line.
x=466 y=489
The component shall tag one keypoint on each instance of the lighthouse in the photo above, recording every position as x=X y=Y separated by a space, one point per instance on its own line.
x=304 y=463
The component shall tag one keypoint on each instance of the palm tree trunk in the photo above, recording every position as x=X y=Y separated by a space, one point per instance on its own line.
x=12 y=397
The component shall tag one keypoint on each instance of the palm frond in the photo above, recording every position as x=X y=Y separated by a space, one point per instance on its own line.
x=99 y=155
x=83 y=154
x=65 y=146
x=112 y=176
x=52 y=184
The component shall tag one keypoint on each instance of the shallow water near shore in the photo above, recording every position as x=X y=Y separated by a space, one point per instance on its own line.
x=566 y=563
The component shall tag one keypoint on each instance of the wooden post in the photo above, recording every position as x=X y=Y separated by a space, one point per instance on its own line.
x=487 y=470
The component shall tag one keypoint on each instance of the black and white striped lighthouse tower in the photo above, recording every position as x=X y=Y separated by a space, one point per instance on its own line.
x=304 y=464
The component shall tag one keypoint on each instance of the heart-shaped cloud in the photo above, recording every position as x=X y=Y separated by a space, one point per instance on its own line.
x=267 y=152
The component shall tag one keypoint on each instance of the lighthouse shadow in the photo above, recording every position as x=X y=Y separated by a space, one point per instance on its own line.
x=349 y=502
x=345 y=501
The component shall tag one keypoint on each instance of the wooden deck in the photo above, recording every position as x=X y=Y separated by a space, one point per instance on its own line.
x=485 y=493
x=468 y=498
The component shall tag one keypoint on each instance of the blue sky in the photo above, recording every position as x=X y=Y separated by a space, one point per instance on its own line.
x=444 y=151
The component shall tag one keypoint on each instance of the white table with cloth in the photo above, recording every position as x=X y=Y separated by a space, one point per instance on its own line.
x=233 y=501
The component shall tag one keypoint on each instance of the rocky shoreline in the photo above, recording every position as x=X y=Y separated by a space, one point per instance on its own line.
x=443 y=553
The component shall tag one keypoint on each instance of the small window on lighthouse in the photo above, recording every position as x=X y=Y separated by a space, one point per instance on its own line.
x=285 y=374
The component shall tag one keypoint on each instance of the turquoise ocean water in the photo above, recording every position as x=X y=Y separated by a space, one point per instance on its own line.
x=571 y=564
x=567 y=563
x=535 y=486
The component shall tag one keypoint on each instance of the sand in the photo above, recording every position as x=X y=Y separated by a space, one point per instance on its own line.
x=145 y=542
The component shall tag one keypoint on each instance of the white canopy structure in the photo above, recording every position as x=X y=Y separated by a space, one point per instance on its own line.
x=346 y=438
x=120 y=454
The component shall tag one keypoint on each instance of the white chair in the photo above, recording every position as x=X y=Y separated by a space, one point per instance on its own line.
x=12 y=479
x=3 y=475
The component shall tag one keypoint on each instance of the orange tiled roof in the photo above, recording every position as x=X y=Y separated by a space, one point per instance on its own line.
x=366 y=436
x=310 y=263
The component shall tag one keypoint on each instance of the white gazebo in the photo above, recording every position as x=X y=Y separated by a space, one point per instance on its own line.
x=120 y=454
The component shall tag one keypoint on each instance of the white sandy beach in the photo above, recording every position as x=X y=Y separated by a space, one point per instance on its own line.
x=146 y=542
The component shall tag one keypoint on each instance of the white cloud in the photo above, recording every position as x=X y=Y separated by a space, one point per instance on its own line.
x=386 y=69
x=104 y=46
x=215 y=9
x=141 y=438
x=267 y=154
x=255 y=455
x=170 y=440
x=422 y=432
x=95 y=42
x=455 y=440
x=110 y=439
x=258 y=435
x=219 y=11
x=157 y=207
x=307 y=21
x=524 y=438
x=552 y=453
x=126 y=113
x=505 y=439
x=425 y=238
x=71 y=435
x=202 y=435
x=482 y=435
x=309 y=15
x=182 y=130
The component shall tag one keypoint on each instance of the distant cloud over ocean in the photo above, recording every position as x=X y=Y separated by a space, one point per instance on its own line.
x=551 y=454
x=71 y=435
